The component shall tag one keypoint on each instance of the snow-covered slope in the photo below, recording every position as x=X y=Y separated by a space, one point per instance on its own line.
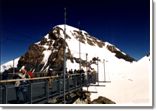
x=9 y=64
x=131 y=86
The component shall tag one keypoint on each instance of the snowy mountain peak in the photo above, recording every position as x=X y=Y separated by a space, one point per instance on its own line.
x=69 y=28
x=48 y=53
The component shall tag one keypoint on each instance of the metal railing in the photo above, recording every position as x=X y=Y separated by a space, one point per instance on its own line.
x=41 y=89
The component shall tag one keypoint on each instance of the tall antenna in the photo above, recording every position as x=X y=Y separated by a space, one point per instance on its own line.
x=79 y=46
x=64 y=69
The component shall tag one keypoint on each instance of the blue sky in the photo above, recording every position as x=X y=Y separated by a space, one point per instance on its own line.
x=124 y=23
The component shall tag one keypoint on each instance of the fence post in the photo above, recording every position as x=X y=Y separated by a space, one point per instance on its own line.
x=4 y=93
x=76 y=79
x=47 y=89
x=1 y=95
x=73 y=81
x=68 y=83
x=81 y=79
x=80 y=82
x=0 y=76
x=97 y=71
x=59 y=86
x=30 y=92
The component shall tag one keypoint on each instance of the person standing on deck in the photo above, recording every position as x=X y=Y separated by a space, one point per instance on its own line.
x=22 y=85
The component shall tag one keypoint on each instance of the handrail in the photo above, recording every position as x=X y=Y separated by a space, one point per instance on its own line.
x=36 y=78
x=72 y=84
x=14 y=80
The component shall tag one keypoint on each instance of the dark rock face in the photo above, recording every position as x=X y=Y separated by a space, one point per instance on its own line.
x=89 y=39
x=102 y=100
x=90 y=42
x=43 y=41
x=85 y=96
x=52 y=36
x=119 y=54
x=56 y=32
x=56 y=59
x=79 y=36
x=31 y=58
x=99 y=43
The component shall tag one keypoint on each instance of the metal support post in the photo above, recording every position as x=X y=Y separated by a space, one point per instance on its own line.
x=64 y=70
x=86 y=71
x=4 y=93
x=59 y=85
x=97 y=71
x=104 y=71
x=30 y=92
x=68 y=84
x=47 y=89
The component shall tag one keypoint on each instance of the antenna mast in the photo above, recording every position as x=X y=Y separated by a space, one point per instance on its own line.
x=64 y=70
x=79 y=46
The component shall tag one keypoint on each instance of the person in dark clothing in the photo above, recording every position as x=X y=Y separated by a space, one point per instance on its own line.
x=5 y=75
x=71 y=71
x=21 y=86
x=17 y=87
x=89 y=76
x=50 y=73
x=82 y=71
x=75 y=71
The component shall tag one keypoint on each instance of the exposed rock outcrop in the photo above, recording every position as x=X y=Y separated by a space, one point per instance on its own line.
x=119 y=54
x=102 y=100
x=84 y=98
